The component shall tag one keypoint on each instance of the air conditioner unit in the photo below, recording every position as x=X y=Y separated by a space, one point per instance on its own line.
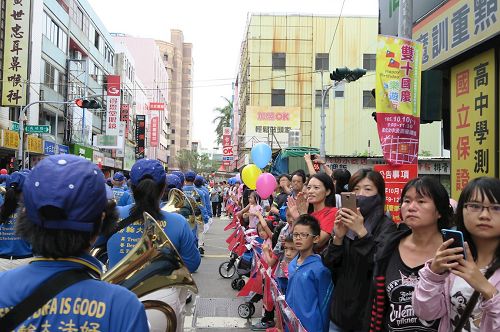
x=294 y=137
x=77 y=55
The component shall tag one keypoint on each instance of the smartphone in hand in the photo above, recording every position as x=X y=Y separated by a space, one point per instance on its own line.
x=457 y=236
x=348 y=201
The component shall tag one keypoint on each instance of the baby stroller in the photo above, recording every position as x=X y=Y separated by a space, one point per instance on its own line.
x=237 y=265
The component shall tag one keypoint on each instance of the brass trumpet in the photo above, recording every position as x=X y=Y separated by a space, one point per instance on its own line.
x=179 y=202
x=151 y=265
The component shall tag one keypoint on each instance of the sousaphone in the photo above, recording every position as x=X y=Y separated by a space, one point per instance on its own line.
x=152 y=264
x=188 y=207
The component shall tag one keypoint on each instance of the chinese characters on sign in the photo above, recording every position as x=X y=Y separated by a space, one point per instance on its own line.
x=227 y=147
x=140 y=133
x=395 y=178
x=398 y=98
x=472 y=120
x=16 y=49
x=455 y=27
x=268 y=124
x=154 y=129
x=113 y=105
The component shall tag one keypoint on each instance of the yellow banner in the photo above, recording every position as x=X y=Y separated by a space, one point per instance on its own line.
x=398 y=73
x=35 y=144
x=10 y=139
x=261 y=121
x=455 y=27
x=472 y=120
x=16 y=52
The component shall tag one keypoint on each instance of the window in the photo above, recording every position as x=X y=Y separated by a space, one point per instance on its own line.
x=165 y=57
x=49 y=75
x=368 y=100
x=369 y=61
x=172 y=141
x=339 y=91
x=317 y=99
x=173 y=130
x=54 y=33
x=96 y=39
x=278 y=97
x=279 y=61
x=322 y=61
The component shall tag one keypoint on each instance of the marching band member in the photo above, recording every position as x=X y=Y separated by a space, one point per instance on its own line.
x=65 y=209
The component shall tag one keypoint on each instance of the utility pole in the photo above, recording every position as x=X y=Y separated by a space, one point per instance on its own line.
x=405 y=23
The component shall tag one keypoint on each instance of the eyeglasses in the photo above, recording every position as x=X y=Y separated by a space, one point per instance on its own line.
x=478 y=208
x=302 y=236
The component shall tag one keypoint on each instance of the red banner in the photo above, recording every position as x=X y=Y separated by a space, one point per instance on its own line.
x=154 y=129
x=112 y=105
x=155 y=106
x=395 y=178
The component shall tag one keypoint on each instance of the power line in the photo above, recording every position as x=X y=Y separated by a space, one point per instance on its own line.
x=335 y=32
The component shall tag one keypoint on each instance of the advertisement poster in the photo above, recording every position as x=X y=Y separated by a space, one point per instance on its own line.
x=113 y=105
x=397 y=93
x=395 y=178
x=140 y=135
x=472 y=120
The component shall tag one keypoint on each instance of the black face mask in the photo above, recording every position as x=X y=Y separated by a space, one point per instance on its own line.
x=368 y=204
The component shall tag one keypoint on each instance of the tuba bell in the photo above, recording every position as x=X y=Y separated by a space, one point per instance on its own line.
x=152 y=264
x=179 y=202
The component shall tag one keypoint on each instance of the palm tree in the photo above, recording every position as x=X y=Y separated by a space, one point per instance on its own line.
x=223 y=119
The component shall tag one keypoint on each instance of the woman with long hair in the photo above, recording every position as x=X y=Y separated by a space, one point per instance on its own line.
x=350 y=253
x=460 y=285
x=14 y=251
x=148 y=183
x=318 y=201
x=425 y=211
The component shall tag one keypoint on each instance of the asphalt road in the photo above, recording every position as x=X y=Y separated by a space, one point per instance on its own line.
x=215 y=308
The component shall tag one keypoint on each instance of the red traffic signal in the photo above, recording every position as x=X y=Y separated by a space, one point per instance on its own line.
x=90 y=104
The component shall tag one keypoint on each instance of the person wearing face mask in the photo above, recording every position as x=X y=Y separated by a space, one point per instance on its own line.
x=350 y=253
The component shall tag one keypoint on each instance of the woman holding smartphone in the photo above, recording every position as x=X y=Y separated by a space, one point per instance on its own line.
x=463 y=291
x=425 y=211
x=349 y=256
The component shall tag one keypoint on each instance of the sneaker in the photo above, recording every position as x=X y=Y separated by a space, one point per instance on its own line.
x=262 y=326
x=202 y=251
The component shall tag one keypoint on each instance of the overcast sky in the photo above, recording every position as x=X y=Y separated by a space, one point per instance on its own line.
x=216 y=30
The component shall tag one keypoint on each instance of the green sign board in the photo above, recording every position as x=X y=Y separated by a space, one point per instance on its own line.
x=37 y=129
x=81 y=151
x=14 y=126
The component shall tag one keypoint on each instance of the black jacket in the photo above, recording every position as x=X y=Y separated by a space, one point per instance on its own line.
x=352 y=265
x=378 y=297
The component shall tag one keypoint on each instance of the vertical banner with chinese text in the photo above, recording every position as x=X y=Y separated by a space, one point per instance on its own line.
x=16 y=52
x=472 y=120
x=154 y=130
x=113 y=105
x=395 y=178
x=398 y=98
x=227 y=147
x=140 y=133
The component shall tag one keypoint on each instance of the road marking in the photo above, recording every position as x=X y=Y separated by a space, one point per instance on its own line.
x=234 y=322
x=215 y=256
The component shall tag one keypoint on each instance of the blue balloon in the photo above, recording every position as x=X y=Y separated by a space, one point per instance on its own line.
x=261 y=154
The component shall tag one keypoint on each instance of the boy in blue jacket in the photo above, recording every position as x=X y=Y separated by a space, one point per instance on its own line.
x=310 y=283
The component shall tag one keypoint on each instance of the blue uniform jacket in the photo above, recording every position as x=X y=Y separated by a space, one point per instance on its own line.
x=188 y=190
x=206 y=200
x=89 y=305
x=10 y=243
x=174 y=225
x=122 y=196
x=309 y=292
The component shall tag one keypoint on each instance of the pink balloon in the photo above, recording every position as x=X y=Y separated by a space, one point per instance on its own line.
x=266 y=183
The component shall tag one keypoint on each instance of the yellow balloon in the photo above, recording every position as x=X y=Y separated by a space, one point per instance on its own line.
x=250 y=174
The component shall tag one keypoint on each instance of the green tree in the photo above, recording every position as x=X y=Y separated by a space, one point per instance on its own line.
x=200 y=163
x=223 y=118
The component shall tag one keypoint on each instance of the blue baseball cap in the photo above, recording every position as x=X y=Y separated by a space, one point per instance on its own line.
x=173 y=181
x=16 y=180
x=70 y=183
x=147 y=168
x=180 y=175
x=199 y=180
x=118 y=176
x=190 y=175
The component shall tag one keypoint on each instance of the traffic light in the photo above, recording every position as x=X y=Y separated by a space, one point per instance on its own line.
x=339 y=74
x=355 y=74
x=349 y=75
x=90 y=104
